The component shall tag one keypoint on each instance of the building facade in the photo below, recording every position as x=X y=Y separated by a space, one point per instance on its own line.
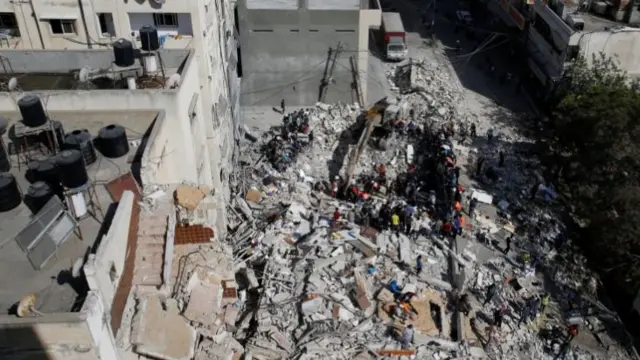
x=285 y=47
x=207 y=26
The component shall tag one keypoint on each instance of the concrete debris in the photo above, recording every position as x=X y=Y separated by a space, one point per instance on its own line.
x=190 y=196
x=334 y=267
x=160 y=332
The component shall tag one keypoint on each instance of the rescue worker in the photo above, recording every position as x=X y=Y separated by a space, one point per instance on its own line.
x=407 y=337
x=336 y=215
x=395 y=222
x=508 y=247
x=544 y=302
x=472 y=206
x=492 y=290
x=334 y=187
x=419 y=265
x=282 y=105
x=498 y=316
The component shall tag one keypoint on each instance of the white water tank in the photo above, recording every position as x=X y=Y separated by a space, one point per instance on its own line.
x=150 y=64
x=79 y=205
x=131 y=83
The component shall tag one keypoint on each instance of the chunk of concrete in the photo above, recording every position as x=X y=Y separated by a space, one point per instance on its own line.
x=385 y=296
x=162 y=334
x=310 y=307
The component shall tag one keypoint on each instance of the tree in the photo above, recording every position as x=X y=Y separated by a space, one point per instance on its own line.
x=597 y=124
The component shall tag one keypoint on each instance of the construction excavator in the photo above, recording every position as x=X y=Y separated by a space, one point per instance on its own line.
x=381 y=116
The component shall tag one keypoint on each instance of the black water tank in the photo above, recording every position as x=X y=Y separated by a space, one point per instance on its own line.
x=123 y=53
x=149 y=38
x=71 y=168
x=37 y=196
x=32 y=111
x=10 y=196
x=43 y=170
x=5 y=162
x=81 y=140
x=50 y=137
x=113 y=142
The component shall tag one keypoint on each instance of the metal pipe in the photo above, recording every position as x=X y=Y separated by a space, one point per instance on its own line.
x=37 y=21
x=84 y=23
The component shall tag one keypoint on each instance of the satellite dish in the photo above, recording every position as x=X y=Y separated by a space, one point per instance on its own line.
x=172 y=82
x=13 y=84
x=27 y=306
x=76 y=269
x=83 y=75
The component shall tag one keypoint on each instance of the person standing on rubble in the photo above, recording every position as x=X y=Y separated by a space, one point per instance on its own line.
x=336 y=215
x=310 y=138
x=407 y=337
x=472 y=207
x=282 y=105
x=544 y=302
x=395 y=222
x=498 y=316
x=479 y=164
x=419 y=265
x=492 y=290
x=508 y=247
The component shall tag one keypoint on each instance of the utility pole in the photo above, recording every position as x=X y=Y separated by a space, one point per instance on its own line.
x=326 y=80
x=356 y=81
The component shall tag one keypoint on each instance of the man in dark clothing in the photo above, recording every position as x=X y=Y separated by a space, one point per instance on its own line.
x=419 y=265
x=311 y=137
x=501 y=158
x=525 y=313
x=534 y=190
x=498 y=315
x=472 y=206
x=282 y=105
x=479 y=165
x=491 y=292
x=463 y=304
x=508 y=247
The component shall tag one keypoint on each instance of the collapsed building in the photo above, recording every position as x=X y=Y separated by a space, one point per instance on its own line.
x=198 y=256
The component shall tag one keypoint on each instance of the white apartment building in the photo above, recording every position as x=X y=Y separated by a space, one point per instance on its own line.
x=207 y=26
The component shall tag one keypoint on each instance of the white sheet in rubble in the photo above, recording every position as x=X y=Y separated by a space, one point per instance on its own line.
x=482 y=196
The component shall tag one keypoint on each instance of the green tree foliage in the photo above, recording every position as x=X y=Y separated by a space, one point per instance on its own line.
x=597 y=126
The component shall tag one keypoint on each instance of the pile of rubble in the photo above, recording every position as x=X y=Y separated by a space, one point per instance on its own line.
x=321 y=286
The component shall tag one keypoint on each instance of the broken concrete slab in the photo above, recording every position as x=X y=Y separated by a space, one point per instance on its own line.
x=204 y=303
x=162 y=334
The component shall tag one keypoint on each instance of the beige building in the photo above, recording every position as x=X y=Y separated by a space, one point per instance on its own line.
x=207 y=26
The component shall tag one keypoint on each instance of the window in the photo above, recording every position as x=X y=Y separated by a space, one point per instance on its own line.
x=546 y=32
x=8 y=21
x=63 y=27
x=107 y=28
x=166 y=20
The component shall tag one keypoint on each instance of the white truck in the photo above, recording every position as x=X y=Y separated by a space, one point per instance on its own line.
x=394 y=36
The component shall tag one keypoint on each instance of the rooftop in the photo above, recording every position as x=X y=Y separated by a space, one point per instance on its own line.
x=61 y=70
x=55 y=290
x=312 y=4
x=622 y=44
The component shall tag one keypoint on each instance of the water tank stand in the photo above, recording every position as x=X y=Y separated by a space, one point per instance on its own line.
x=23 y=132
x=93 y=207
